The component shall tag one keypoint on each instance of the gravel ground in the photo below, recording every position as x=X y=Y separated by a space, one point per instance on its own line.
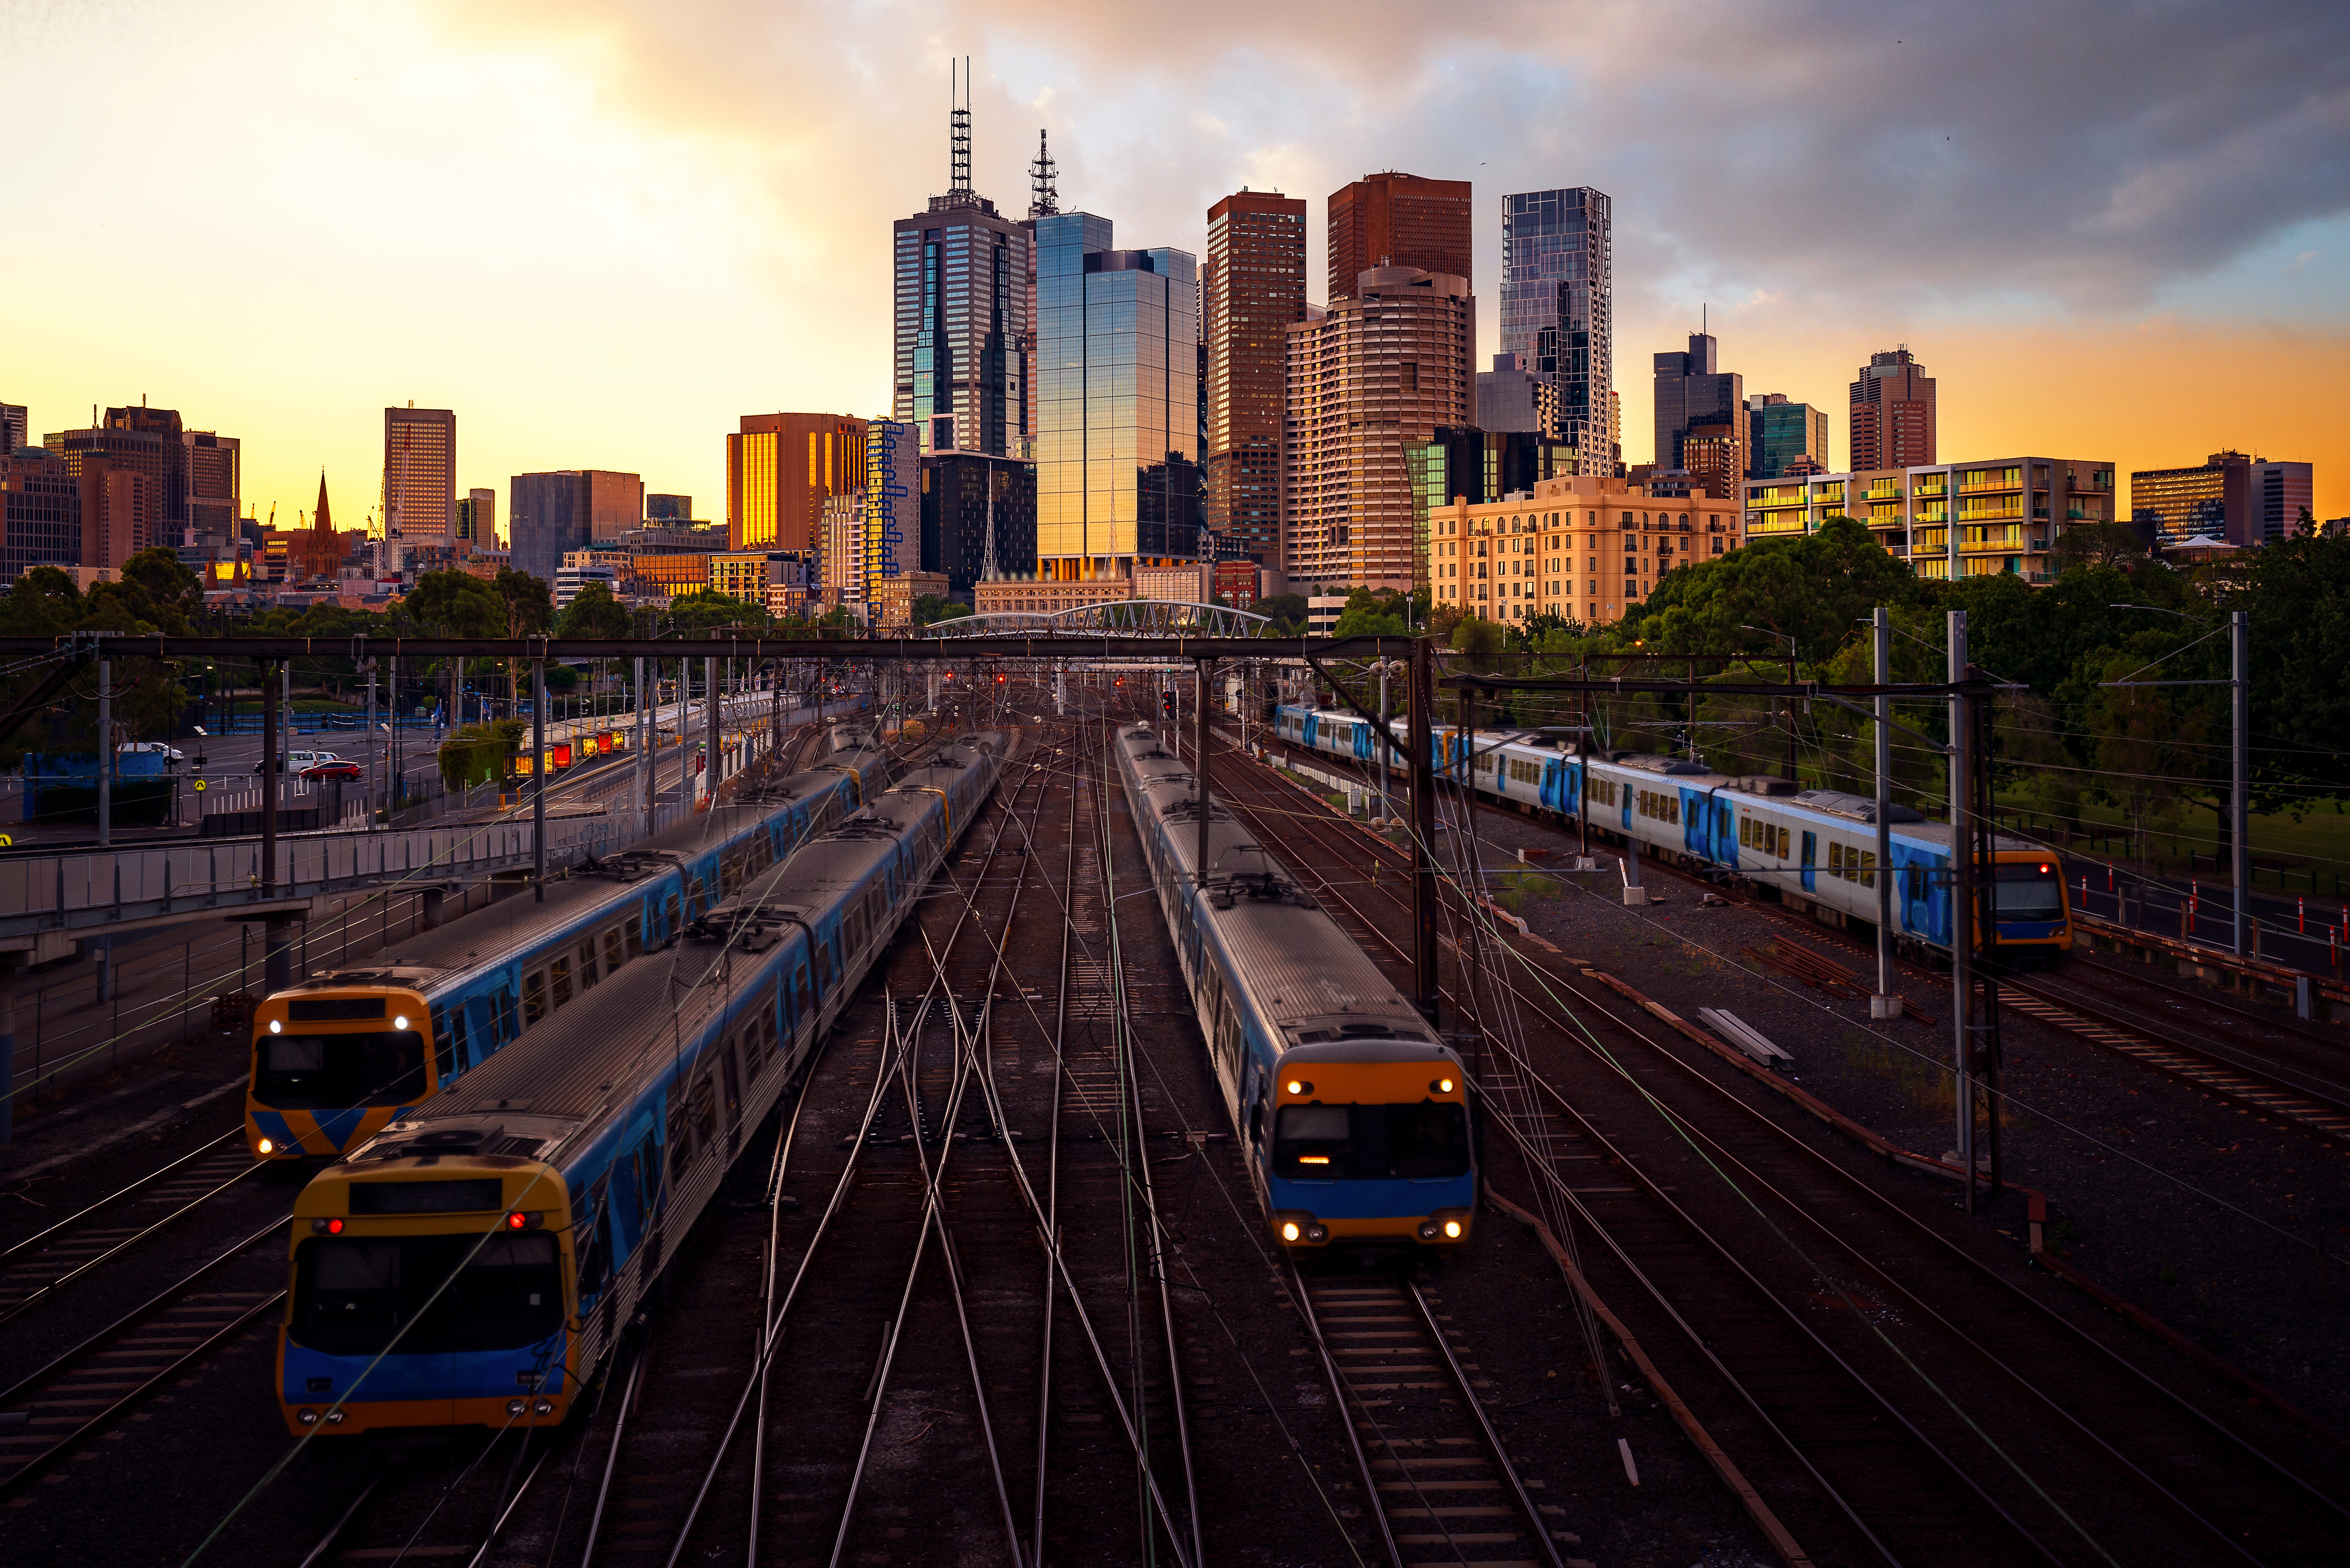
x=2209 y=1218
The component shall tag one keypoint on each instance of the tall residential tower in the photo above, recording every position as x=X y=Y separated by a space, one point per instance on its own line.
x=1892 y=413
x=1392 y=220
x=1558 y=308
x=1255 y=286
x=420 y=475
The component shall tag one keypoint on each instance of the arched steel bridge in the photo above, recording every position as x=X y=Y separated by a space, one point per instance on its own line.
x=1124 y=618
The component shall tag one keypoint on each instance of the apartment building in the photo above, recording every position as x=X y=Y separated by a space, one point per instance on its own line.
x=1947 y=520
x=1583 y=548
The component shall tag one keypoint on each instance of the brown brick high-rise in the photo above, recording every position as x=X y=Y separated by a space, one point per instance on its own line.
x=1892 y=413
x=1256 y=280
x=1397 y=219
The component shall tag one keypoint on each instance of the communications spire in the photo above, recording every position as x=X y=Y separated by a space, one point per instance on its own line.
x=1044 y=183
x=959 y=125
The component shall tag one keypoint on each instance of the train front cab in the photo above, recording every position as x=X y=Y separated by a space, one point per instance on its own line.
x=365 y=1346
x=2031 y=907
x=331 y=1068
x=1370 y=1148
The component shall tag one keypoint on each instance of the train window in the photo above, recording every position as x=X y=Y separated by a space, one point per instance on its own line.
x=1745 y=832
x=1423 y=1142
x=320 y=1072
x=1916 y=880
x=533 y=997
x=734 y=1077
x=1781 y=851
x=669 y=906
x=353 y=1295
x=587 y=975
x=799 y=992
x=1869 y=868
x=1672 y=808
x=1835 y=859
x=1314 y=1143
x=706 y=1108
x=2027 y=890
x=558 y=981
x=616 y=952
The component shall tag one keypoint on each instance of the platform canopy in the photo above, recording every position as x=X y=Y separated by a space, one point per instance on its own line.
x=1119 y=618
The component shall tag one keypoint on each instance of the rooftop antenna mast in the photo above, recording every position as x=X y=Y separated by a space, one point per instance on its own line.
x=960 y=116
x=1044 y=183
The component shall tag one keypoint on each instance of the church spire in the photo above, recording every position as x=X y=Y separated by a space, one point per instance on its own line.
x=323 y=522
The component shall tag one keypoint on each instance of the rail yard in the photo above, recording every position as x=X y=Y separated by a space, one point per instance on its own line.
x=1036 y=1136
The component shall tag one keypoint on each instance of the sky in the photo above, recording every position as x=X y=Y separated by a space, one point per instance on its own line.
x=601 y=231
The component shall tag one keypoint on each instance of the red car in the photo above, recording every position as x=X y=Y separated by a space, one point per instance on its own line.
x=336 y=768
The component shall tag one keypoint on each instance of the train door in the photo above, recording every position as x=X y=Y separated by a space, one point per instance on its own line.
x=1810 y=862
x=1313 y=728
x=1725 y=834
x=1551 y=793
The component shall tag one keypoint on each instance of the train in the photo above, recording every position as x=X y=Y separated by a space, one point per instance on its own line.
x=473 y=1263
x=1815 y=849
x=1354 y=1118
x=339 y=1056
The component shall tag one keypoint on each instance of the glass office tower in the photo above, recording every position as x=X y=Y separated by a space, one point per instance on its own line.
x=1117 y=403
x=1558 y=307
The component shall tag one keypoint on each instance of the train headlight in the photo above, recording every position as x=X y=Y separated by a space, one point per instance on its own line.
x=266 y=1146
x=1289 y=1231
x=276 y=1027
x=1441 y=1085
x=399 y=1021
x=307 y=1418
x=1428 y=1229
x=516 y=1406
x=1318 y=1234
x=1452 y=1229
x=543 y=1407
x=334 y=1418
x=1299 y=1087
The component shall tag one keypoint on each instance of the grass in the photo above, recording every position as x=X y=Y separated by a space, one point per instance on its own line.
x=2306 y=851
x=1513 y=889
x=1924 y=1085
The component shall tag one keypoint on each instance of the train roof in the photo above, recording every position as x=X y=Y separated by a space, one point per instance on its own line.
x=515 y=923
x=1305 y=972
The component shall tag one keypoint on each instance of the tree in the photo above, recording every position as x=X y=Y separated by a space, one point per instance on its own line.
x=1288 y=612
x=176 y=593
x=703 y=609
x=929 y=610
x=593 y=612
x=1812 y=588
x=1374 y=612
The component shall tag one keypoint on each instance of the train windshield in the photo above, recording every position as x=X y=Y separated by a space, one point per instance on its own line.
x=1428 y=1141
x=323 y=1072
x=2028 y=890
x=356 y=1295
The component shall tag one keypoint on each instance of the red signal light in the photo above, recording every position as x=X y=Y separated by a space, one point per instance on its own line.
x=521 y=1222
x=999 y=680
x=2043 y=870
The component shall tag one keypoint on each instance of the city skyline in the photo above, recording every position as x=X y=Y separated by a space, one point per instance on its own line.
x=728 y=240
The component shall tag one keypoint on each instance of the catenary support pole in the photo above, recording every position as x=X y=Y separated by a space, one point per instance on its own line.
x=710 y=714
x=644 y=747
x=269 y=780
x=1418 y=699
x=1379 y=751
x=1962 y=903
x=1200 y=763
x=1887 y=1002
x=8 y=972
x=105 y=752
x=539 y=780
x=2240 y=803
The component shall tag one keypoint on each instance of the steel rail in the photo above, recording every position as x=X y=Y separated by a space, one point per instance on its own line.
x=1340 y=1403
x=612 y=1457
x=1157 y=1242
x=1769 y=1298
x=1476 y=1407
x=772 y=1334
x=120 y=1193
x=1968 y=1344
x=124 y=1245
x=342 y=1522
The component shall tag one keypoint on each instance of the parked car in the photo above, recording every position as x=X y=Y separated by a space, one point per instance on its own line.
x=172 y=756
x=333 y=768
x=294 y=762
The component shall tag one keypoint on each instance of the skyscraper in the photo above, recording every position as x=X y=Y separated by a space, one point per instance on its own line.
x=1892 y=413
x=779 y=469
x=1779 y=432
x=40 y=511
x=420 y=475
x=1117 y=401
x=960 y=318
x=1691 y=389
x=1558 y=307
x=139 y=440
x=477 y=519
x=15 y=427
x=548 y=514
x=1381 y=371
x=888 y=527
x=1392 y=220
x=1254 y=287
x=2243 y=500
x=214 y=473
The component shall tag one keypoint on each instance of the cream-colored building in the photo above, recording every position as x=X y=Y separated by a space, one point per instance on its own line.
x=1579 y=548
x=898 y=593
x=2009 y=511
x=1047 y=596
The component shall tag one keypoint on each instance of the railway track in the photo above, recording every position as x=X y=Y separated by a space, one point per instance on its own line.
x=1858 y=1246
x=1443 y=1487
x=52 y=1412
x=35 y=1269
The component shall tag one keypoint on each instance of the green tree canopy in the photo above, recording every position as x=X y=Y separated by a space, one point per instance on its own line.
x=593 y=612
x=1814 y=587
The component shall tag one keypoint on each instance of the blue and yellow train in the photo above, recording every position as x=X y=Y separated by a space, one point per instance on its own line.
x=1354 y=1118
x=1815 y=849
x=339 y=1056
x=472 y=1263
